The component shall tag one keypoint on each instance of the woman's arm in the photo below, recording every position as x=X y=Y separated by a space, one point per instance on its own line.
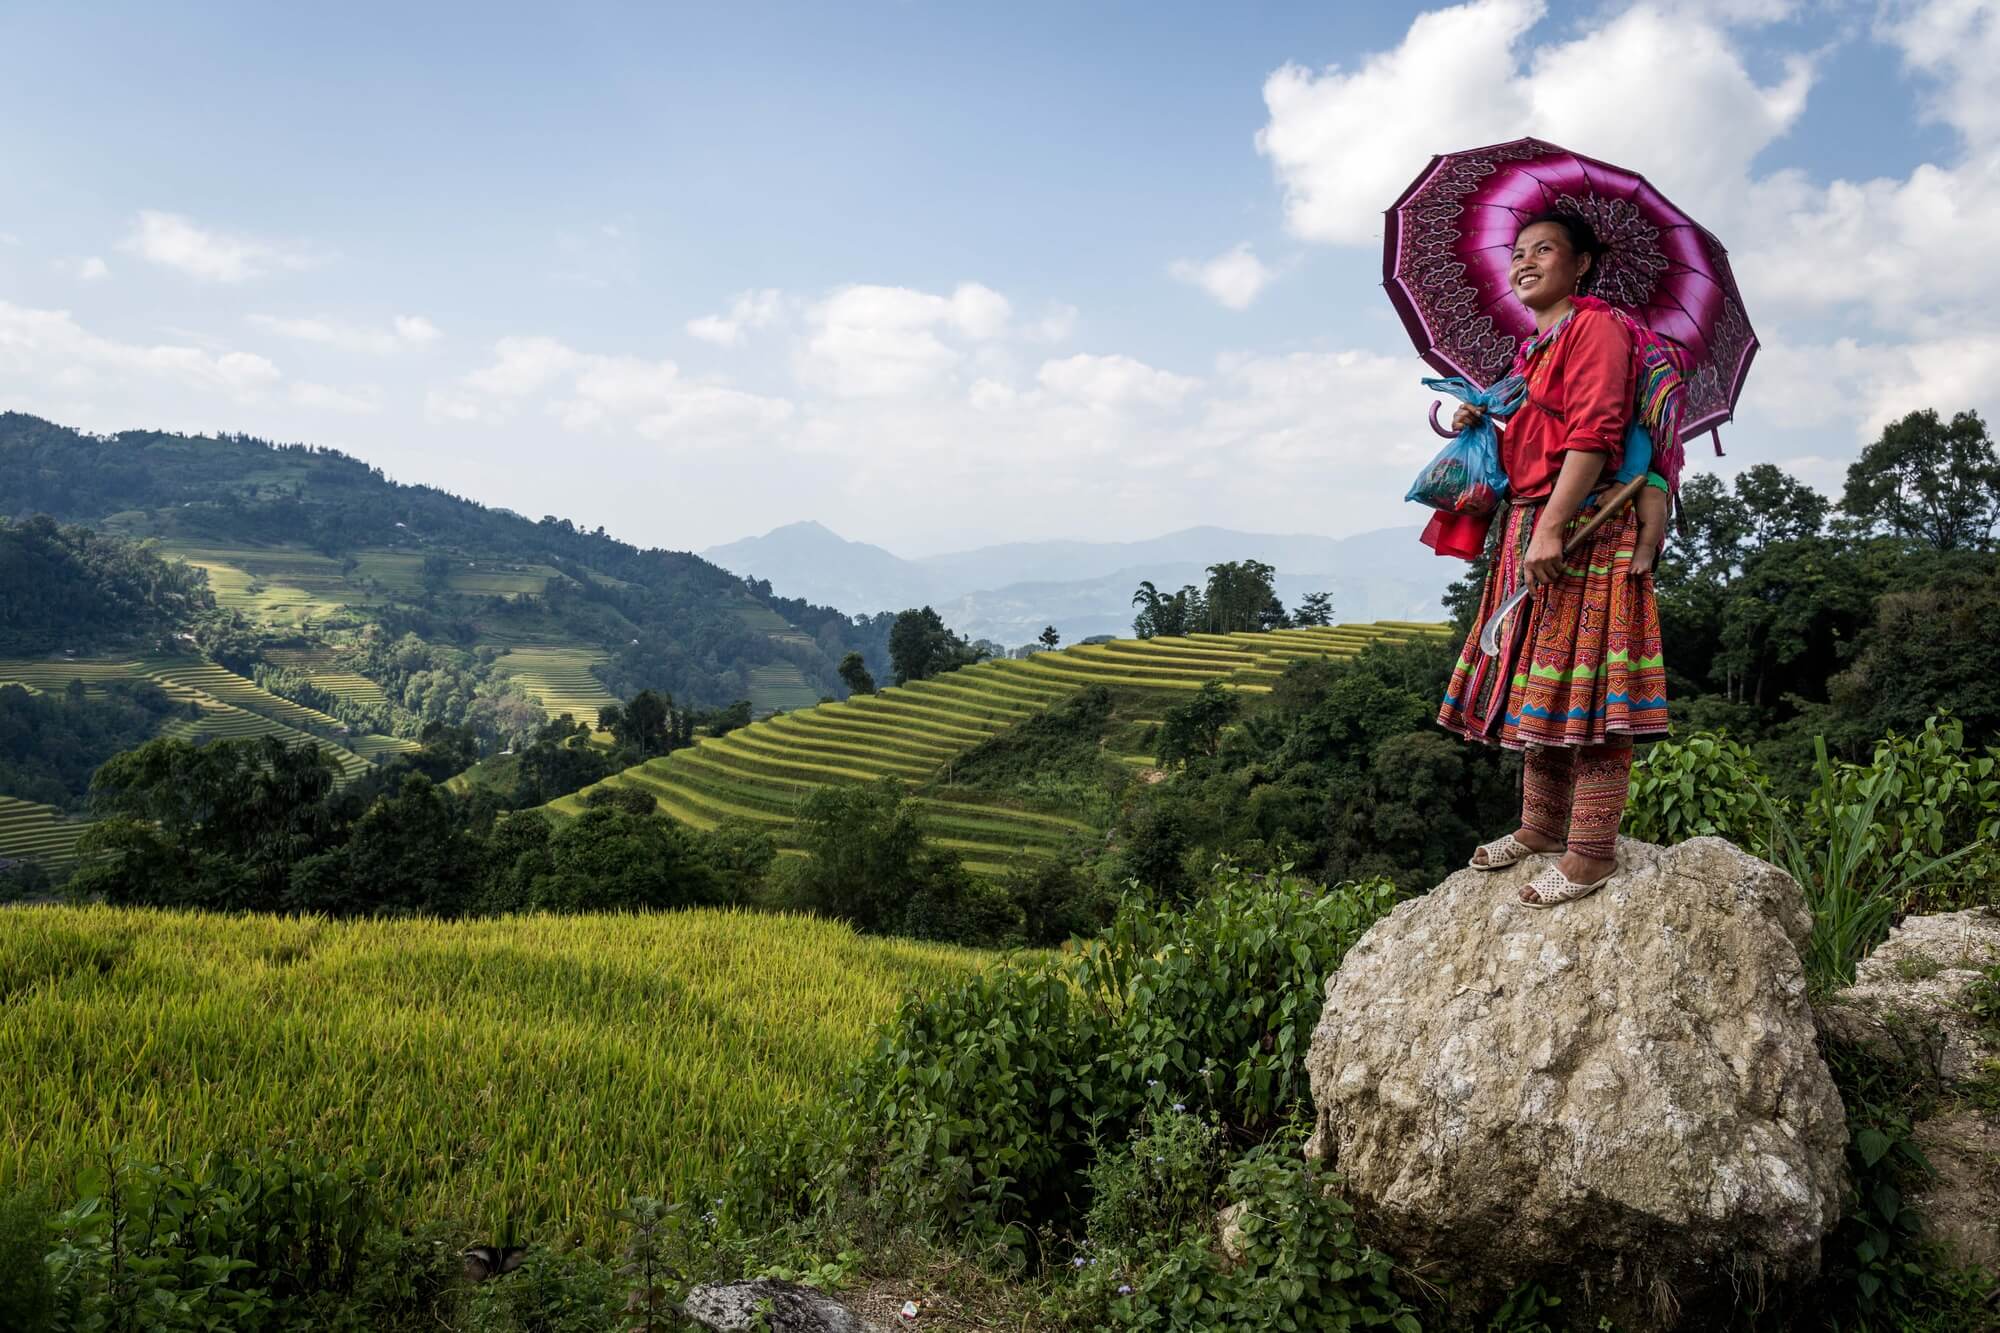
x=1580 y=471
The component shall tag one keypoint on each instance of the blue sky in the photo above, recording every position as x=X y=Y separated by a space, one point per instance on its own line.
x=934 y=275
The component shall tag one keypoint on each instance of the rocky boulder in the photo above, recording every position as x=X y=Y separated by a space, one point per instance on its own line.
x=1911 y=1004
x=1622 y=1097
x=762 y=1305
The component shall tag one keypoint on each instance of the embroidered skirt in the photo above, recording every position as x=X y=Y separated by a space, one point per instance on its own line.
x=1579 y=664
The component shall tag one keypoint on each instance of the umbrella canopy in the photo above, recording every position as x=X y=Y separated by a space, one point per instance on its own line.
x=1450 y=236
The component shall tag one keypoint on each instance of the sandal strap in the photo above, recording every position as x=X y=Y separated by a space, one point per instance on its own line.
x=1552 y=887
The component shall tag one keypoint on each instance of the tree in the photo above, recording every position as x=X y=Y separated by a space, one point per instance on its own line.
x=1048 y=638
x=1240 y=597
x=1194 y=729
x=854 y=673
x=869 y=865
x=920 y=647
x=1315 y=608
x=1929 y=481
x=1169 y=616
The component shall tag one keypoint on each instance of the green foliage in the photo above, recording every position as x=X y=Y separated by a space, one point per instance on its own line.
x=1928 y=480
x=854 y=674
x=1706 y=785
x=27 y=1288
x=1167 y=614
x=982 y=1106
x=868 y=863
x=1300 y=1263
x=236 y=1242
x=1053 y=758
x=549 y=1293
x=68 y=587
x=1193 y=730
x=920 y=646
x=50 y=744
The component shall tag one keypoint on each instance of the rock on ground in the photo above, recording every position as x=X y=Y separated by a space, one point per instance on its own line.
x=779 y=1307
x=1621 y=1097
x=1910 y=1003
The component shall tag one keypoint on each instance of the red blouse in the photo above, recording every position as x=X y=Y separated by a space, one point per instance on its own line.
x=1579 y=397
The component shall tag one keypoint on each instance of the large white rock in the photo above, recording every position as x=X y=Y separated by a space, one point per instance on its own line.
x=1621 y=1097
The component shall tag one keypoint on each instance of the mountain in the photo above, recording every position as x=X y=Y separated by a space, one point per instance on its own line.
x=1007 y=592
x=312 y=548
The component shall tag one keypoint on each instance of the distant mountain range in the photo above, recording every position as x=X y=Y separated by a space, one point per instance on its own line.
x=1009 y=591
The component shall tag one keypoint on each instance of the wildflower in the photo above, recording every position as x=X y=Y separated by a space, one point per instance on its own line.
x=1178 y=1106
x=1124 y=1288
x=1077 y=1262
x=1152 y=1083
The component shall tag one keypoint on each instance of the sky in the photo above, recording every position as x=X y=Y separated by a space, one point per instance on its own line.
x=938 y=275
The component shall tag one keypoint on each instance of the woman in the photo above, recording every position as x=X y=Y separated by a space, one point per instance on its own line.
x=1579 y=674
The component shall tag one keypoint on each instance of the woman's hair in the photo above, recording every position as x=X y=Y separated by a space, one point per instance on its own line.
x=1582 y=240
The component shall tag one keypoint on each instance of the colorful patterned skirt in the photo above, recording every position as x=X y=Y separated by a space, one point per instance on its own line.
x=1579 y=664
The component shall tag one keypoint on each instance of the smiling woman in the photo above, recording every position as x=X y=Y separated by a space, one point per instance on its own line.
x=1580 y=674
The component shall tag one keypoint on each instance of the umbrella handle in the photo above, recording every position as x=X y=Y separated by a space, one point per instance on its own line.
x=1448 y=434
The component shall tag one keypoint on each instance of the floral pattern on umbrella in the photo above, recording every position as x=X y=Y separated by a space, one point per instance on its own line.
x=1450 y=236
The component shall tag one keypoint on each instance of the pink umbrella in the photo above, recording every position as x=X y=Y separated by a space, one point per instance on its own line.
x=1450 y=236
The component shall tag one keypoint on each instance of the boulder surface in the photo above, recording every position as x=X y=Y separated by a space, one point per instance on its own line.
x=1911 y=1003
x=762 y=1305
x=1622 y=1097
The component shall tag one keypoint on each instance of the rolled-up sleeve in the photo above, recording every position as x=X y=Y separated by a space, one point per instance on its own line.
x=1597 y=386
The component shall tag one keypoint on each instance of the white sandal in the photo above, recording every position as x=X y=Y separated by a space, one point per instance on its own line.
x=1501 y=853
x=1552 y=888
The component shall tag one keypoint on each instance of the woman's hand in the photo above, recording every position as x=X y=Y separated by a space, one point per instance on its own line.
x=1544 y=559
x=1466 y=417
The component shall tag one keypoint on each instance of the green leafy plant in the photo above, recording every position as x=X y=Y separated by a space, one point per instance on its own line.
x=1705 y=785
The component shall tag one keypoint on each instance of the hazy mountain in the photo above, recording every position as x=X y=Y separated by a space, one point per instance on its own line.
x=1009 y=591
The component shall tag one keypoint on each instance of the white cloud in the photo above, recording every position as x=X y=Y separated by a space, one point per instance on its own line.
x=1233 y=277
x=1114 y=381
x=586 y=391
x=49 y=347
x=404 y=331
x=750 y=310
x=177 y=242
x=1345 y=144
x=870 y=341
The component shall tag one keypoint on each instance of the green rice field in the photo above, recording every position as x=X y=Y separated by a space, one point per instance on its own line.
x=41 y=833
x=231 y=708
x=527 y=1072
x=912 y=733
x=560 y=677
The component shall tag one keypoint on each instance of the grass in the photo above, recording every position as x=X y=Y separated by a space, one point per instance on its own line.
x=529 y=1071
x=912 y=734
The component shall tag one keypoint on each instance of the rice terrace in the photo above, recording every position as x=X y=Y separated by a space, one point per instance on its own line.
x=959 y=668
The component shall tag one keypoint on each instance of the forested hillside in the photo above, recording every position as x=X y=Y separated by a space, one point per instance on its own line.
x=297 y=536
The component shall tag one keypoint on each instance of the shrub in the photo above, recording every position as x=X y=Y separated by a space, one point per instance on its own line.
x=1706 y=785
x=229 y=1242
x=982 y=1106
x=1299 y=1263
x=27 y=1290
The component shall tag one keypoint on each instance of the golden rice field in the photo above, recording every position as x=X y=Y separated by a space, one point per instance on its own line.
x=532 y=1070
x=912 y=733
x=560 y=677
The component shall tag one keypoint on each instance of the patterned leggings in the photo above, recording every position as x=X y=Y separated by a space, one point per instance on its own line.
x=1576 y=795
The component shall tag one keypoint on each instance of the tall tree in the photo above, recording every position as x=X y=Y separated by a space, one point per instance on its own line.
x=1048 y=638
x=1240 y=597
x=854 y=672
x=1929 y=481
x=1160 y=614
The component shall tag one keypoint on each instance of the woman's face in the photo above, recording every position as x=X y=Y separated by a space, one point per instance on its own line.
x=1545 y=268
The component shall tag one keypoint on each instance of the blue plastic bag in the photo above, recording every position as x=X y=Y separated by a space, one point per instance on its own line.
x=1466 y=476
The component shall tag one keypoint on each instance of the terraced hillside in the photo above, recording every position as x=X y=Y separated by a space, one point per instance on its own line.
x=30 y=832
x=319 y=663
x=560 y=677
x=231 y=706
x=781 y=685
x=912 y=733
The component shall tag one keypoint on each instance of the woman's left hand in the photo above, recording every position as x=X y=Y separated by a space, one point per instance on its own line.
x=1544 y=559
